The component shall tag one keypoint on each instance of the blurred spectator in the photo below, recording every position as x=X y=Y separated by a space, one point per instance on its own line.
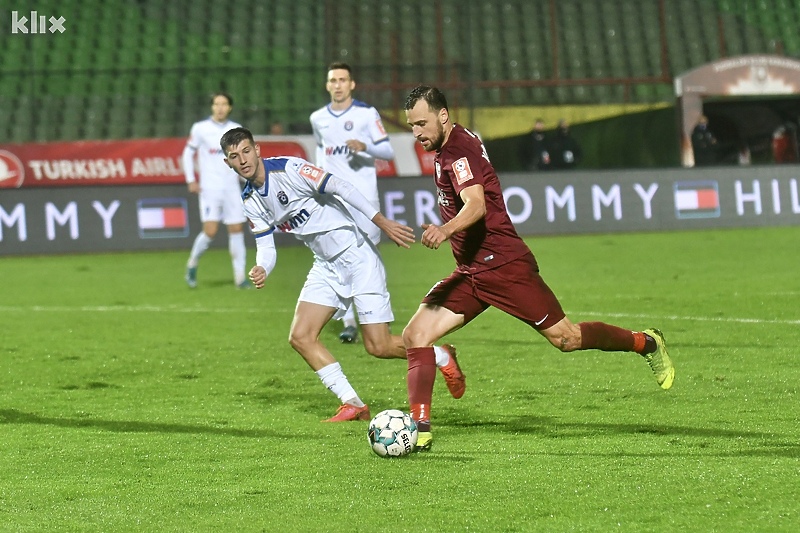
x=535 y=149
x=784 y=149
x=565 y=152
x=276 y=128
x=743 y=155
x=704 y=144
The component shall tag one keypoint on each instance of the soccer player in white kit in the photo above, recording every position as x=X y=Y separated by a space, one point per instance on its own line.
x=292 y=195
x=350 y=136
x=219 y=190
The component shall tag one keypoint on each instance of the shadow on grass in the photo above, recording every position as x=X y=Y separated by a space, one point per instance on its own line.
x=751 y=443
x=553 y=427
x=13 y=416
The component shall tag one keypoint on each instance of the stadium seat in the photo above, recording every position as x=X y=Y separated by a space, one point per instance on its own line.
x=48 y=116
x=15 y=53
x=166 y=118
x=22 y=119
x=11 y=85
x=142 y=123
x=119 y=116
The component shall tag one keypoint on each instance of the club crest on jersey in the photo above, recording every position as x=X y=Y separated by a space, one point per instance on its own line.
x=462 y=171
x=282 y=198
x=348 y=125
x=438 y=168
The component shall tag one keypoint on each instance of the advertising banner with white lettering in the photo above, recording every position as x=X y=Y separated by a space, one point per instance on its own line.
x=82 y=219
x=154 y=161
x=91 y=163
x=100 y=219
x=630 y=200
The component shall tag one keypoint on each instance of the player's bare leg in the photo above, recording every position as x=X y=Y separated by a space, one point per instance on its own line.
x=309 y=319
x=380 y=342
x=564 y=335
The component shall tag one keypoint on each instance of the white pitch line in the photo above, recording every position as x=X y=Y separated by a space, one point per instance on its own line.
x=691 y=318
x=181 y=309
x=132 y=309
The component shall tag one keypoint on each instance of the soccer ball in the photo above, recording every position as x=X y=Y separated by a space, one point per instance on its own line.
x=392 y=433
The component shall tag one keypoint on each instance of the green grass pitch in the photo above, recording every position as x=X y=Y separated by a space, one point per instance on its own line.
x=130 y=403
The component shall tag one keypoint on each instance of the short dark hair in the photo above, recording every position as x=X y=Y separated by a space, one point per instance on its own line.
x=433 y=96
x=336 y=65
x=222 y=93
x=234 y=137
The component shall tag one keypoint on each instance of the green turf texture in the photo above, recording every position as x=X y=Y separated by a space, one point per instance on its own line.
x=129 y=402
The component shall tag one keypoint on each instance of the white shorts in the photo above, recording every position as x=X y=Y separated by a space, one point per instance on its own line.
x=221 y=206
x=356 y=276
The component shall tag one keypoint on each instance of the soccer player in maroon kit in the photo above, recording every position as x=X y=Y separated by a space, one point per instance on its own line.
x=494 y=266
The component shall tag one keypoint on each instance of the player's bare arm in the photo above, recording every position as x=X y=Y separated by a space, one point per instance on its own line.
x=401 y=235
x=474 y=210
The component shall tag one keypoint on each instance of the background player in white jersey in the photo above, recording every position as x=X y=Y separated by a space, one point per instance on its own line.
x=292 y=195
x=219 y=189
x=350 y=136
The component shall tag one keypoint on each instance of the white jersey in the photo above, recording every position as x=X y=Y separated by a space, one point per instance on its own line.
x=332 y=130
x=215 y=174
x=293 y=200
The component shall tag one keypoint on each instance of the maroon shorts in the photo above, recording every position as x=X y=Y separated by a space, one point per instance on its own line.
x=516 y=288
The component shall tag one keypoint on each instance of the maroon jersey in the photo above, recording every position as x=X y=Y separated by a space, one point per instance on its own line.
x=492 y=241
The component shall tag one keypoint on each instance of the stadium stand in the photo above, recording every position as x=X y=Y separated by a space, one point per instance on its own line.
x=146 y=68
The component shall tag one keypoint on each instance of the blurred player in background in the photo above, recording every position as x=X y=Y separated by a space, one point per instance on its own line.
x=494 y=265
x=219 y=190
x=350 y=136
x=292 y=195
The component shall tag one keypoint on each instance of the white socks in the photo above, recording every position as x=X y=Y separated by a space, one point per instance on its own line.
x=333 y=378
x=238 y=256
x=199 y=247
x=236 y=248
x=349 y=318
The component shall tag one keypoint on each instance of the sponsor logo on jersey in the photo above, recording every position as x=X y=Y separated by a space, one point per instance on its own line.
x=337 y=150
x=282 y=198
x=442 y=197
x=462 y=171
x=297 y=220
x=380 y=127
x=312 y=172
x=12 y=173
